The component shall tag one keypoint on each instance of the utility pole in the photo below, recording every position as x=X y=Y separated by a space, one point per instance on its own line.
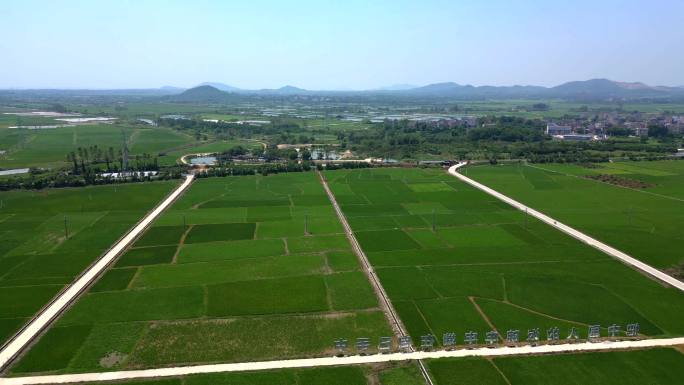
x=124 y=151
x=306 y=224
x=66 y=228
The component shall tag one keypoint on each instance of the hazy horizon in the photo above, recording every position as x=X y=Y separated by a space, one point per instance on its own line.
x=327 y=45
x=389 y=87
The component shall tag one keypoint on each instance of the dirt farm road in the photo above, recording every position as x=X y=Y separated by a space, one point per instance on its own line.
x=385 y=303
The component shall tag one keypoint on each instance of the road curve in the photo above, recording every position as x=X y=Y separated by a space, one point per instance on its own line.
x=335 y=361
x=183 y=159
x=43 y=319
x=613 y=252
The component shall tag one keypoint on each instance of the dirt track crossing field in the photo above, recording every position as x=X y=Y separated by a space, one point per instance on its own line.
x=383 y=298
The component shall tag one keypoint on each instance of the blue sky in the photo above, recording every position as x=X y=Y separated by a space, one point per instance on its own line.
x=345 y=44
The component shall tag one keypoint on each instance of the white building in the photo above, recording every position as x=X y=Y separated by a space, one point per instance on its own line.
x=641 y=131
x=554 y=129
x=129 y=174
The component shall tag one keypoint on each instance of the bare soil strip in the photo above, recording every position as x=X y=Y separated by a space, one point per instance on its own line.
x=620 y=181
x=629 y=188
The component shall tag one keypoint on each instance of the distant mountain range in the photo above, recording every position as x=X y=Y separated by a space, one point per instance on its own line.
x=204 y=93
x=228 y=88
x=590 y=89
x=221 y=86
x=397 y=87
x=594 y=89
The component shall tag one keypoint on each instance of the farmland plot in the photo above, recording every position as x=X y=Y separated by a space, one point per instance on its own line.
x=240 y=268
x=48 y=237
x=656 y=366
x=637 y=207
x=49 y=147
x=458 y=260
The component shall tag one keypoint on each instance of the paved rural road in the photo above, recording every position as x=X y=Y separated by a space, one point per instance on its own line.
x=37 y=324
x=333 y=361
x=613 y=252
x=184 y=160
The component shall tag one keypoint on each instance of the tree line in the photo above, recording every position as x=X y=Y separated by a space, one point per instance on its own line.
x=37 y=180
x=86 y=160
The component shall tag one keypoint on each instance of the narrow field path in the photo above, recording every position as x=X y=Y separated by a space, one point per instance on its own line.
x=24 y=337
x=613 y=252
x=348 y=360
x=385 y=303
x=181 y=242
x=482 y=313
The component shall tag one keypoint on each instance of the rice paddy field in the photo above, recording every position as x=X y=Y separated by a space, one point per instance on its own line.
x=137 y=108
x=656 y=366
x=640 y=213
x=37 y=259
x=258 y=268
x=485 y=266
x=49 y=147
x=238 y=269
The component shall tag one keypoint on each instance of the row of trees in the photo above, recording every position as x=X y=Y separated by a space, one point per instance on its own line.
x=272 y=168
x=654 y=131
x=263 y=169
x=94 y=159
x=84 y=156
x=34 y=181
